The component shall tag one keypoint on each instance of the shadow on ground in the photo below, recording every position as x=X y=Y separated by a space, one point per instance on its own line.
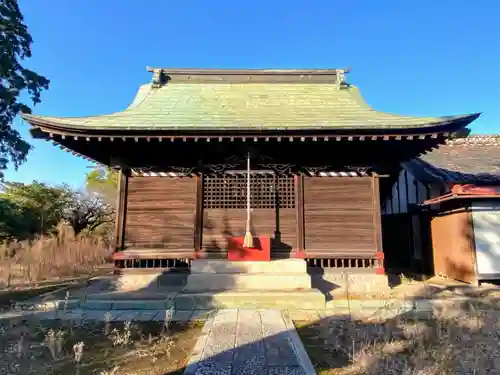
x=455 y=338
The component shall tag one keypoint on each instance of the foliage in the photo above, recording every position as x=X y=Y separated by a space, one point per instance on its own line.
x=103 y=181
x=15 y=42
x=11 y=220
x=30 y=209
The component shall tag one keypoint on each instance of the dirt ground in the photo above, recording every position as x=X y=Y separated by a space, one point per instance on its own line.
x=53 y=348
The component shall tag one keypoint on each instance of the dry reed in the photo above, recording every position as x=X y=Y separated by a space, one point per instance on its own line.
x=50 y=257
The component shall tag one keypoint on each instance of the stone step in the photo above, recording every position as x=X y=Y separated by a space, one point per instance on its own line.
x=253 y=281
x=251 y=299
x=144 y=303
x=225 y=266
x=138 y=304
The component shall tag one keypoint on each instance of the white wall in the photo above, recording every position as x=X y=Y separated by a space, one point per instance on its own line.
x=486 y=224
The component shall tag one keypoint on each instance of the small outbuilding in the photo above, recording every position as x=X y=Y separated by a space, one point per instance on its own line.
x=457 y=207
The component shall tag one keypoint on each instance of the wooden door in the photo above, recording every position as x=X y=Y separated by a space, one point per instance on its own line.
x=224 y=209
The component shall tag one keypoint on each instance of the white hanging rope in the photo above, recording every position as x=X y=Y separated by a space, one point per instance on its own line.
x=248 y=240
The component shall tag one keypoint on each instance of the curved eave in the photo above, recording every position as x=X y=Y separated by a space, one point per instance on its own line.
x=442 y=125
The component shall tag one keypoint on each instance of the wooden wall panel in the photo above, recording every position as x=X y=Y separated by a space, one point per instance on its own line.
x=453 y=247
x=339 y=217
x=161 y=212
x=220 y=224
x=288 y=229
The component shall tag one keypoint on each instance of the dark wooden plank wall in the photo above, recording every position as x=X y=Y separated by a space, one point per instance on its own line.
x=406 y=193
x=220 y=224
x=161 y=213
x=405 y=227
x=339 y=217
x=398 y=241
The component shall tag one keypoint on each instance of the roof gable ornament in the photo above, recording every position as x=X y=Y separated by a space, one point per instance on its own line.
x=159 y=77
x=340 y=76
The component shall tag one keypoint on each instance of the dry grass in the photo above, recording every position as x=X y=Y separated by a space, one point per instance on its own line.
x=92 y=348
x=450 y=341
x=51 y=257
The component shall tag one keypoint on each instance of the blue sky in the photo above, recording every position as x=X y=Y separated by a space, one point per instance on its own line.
x=408 y=57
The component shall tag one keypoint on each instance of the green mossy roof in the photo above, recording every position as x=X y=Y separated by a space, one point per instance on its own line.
x=245 y=106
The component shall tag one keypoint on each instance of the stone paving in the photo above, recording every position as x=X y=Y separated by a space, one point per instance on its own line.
x=249 y=342
x=354 y=310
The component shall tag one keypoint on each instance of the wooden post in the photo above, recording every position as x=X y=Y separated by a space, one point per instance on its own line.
x=198 y=227
x=299 y=205
x=377 y=226
x=121 y=207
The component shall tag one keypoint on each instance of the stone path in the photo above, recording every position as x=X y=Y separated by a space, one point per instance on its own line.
x=354 y=310
x=249 y=342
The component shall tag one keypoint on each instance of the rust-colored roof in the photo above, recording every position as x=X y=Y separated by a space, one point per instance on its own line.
x=471 y=160
x=466 y=192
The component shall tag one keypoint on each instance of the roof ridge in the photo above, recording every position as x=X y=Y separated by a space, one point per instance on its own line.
x=202 y=71
x=162 y=76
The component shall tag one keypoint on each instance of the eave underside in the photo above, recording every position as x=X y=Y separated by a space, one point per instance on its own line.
x=384 y=152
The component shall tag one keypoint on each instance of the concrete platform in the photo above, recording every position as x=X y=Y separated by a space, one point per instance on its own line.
x=149 y=281
x=250 y=299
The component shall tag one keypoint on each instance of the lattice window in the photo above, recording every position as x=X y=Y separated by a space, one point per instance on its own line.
x=229 y=191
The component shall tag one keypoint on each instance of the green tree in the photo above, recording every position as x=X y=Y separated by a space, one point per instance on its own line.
x=103 y=181
x=31 y=209
x=15 y=46
x=11 y=221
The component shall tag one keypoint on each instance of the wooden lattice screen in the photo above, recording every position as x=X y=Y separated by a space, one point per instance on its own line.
x=229 y=191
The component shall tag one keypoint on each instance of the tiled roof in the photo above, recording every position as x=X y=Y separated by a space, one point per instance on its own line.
x=236 y=105
x=474 y=159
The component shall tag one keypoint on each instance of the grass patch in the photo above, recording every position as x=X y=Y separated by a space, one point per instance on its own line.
x=458 y=340
x=90 y=348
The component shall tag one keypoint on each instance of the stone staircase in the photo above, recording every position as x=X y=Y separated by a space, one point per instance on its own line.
x=211 y=284
x=219 y=284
